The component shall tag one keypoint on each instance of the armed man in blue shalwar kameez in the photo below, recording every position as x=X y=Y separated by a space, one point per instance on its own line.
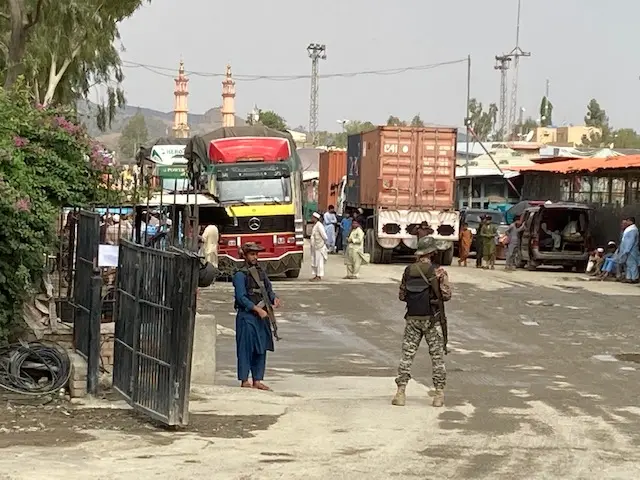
x=254 y=336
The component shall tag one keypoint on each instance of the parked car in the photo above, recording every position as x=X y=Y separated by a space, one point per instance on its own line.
x=472 y=217
x=556 y=234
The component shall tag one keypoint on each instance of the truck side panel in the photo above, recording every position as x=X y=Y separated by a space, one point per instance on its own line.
x=406 y=168
x=354 y=156
x=332 y=166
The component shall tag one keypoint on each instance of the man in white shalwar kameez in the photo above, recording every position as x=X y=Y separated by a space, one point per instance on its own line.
x=319 y=252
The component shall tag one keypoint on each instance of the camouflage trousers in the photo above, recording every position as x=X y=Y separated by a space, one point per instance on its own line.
x=415 y=329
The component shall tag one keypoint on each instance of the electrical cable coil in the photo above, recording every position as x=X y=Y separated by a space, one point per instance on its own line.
x=34 y=368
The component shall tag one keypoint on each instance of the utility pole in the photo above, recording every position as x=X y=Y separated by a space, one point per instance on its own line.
x=515 y=54
x=316 y=53
x=467 y=123
x=502 y=64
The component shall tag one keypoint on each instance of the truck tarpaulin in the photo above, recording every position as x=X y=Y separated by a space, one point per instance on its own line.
x=354 y=156
x=197 y=150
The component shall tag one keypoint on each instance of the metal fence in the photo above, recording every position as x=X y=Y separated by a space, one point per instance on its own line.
x=155 y=318
x=87 y=291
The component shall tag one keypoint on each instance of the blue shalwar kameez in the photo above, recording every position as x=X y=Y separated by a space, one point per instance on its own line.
x=629 y=253
x=253 y=334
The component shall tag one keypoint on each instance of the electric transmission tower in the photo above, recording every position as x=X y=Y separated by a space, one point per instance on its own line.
x=316 y=52
x=515 y=54
x=502 y=64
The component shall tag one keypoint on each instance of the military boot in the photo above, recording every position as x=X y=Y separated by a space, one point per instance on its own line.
x=438 y=398
x=400 y=398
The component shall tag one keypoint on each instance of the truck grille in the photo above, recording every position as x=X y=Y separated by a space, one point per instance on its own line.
x=270 y=224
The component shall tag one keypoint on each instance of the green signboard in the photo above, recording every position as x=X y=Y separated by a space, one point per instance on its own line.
x=175 y=172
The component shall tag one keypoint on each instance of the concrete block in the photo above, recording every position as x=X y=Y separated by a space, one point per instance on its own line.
x=108 y=328
x=78 y=366
x=203 y=362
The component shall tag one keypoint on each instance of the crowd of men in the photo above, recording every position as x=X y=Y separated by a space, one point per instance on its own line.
x=329 y=236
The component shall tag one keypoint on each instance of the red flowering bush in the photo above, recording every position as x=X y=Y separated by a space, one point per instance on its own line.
x=46 y=161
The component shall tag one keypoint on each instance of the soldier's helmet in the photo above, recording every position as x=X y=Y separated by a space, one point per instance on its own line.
x=251 y=247
x=426 y=245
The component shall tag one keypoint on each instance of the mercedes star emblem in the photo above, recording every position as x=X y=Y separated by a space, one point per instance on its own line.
x=254 y=224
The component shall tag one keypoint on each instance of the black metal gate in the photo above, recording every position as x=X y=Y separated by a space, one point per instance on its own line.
x=155 y=319
x=87 y=289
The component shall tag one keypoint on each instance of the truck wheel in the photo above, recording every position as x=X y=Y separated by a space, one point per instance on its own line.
x=447 y=257
x=293 y=273
x=387 y=253
x=372 y=247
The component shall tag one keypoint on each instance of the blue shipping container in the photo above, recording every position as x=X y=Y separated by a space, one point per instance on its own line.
x=354 y=157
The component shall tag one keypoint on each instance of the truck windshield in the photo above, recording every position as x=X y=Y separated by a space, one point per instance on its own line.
x=263 y=190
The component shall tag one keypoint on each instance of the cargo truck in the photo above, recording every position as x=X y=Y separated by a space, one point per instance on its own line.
x=256 y=174
x=401 y=177
x=332 y=166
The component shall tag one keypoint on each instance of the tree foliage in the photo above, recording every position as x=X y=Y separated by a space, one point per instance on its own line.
x=626 y=138
x=270 y=119
x=483 y=122
x=546 y=112
x=596 y=117
x=46 y=161
x=65 y=48
x=133 y=135
x=416 y=121
x=350 y=128
x=394 y=121
x=520 y=130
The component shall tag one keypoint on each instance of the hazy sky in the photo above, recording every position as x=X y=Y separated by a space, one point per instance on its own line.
x=586 y=48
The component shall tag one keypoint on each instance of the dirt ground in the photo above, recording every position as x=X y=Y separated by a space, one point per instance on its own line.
x=57 y=422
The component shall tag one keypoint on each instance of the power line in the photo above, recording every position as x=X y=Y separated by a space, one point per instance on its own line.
x=171 y=72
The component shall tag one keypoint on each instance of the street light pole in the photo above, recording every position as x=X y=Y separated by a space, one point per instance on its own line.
x=467 y=123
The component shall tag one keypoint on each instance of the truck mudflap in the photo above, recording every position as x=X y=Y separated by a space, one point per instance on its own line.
x=288 y=264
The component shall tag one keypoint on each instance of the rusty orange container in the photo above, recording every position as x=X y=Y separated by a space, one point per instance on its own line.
x=332 y=166
x=408 y=168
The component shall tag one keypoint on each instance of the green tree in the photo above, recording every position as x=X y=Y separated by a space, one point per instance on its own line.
x=596 y=117
x=46 y=161
x=68 y=48
x=133 y=135
x=394 y=121
x=520 y=130
x=350 y=128
x=482 y=122
x=546 y=112
x=417 y=121
x=626 y=138
x=270 y=119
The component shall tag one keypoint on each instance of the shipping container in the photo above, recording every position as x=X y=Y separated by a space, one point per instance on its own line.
x=404 y=168
x=333 y=166
x=354 y=156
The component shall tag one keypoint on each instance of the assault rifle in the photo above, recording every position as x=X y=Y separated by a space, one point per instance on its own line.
x=441 y=315
x=266 y=301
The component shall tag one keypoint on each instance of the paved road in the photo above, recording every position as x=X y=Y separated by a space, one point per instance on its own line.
x=535 y=391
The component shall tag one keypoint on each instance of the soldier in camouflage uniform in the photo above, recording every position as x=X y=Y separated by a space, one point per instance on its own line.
x=421 y=301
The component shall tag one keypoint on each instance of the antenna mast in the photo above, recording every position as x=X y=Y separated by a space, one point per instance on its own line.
x=502 y=64
x=316 y=52
x=515 y=54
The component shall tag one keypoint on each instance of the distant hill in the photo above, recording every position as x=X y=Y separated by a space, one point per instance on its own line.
x=159 y=124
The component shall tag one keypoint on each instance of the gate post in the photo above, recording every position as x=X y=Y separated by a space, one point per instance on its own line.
x=95 y=320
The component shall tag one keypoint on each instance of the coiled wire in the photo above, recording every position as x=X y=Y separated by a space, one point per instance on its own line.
x=35 y=368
